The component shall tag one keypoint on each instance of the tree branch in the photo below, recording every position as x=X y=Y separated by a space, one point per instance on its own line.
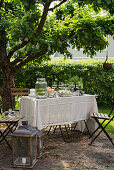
x=56 y=6
x=42 y=21
x=17 y=60
x=38 y=31
x=17 y=47
x=30 y=58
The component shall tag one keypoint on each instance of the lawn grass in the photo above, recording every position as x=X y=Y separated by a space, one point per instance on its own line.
x=110 y=127
x=17 y=103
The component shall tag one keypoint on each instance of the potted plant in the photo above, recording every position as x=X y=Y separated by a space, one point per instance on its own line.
x=106 y=65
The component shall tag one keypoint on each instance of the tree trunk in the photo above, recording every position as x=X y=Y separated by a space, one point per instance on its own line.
x=8 y=83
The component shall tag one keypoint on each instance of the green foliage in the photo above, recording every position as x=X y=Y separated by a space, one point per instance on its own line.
x=69 y=24
x=95 y=79
x=82 y=29
x=61 y=12
x=97 y=4
x=28 y=4
x=74 y=79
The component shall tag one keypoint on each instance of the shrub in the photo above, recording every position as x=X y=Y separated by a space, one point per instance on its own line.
x=95 y=79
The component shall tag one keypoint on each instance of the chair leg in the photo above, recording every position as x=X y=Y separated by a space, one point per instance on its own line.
x=49 y=130
x=87 y=127
x=99 y=134
x=8 y=130
x=67 y=132
x=96 y=129
x=75 y=126
x=103 y=129
x=68 y=127
x=9 y=127
x=54 y=129
x=3 y=138
x=61 y=133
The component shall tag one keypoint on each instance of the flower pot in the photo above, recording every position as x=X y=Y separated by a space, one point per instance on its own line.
x=107 y=66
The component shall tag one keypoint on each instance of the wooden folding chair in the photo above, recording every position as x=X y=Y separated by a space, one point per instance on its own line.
x=16 y=92
x=104 y=117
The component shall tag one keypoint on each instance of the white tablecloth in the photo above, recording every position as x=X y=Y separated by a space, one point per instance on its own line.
x=57 y=111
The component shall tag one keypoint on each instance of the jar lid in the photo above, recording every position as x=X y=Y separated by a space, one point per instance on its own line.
x=42 y=79
x=32 y=90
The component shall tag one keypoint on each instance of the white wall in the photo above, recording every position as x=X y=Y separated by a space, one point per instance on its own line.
x=78 y=55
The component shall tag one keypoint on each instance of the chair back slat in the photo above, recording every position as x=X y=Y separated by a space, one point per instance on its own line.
x=19 y=91
x=100 y=115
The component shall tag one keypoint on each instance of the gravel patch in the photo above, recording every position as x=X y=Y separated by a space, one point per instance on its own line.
x=70 y=155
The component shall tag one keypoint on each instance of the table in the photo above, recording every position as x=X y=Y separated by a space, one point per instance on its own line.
x=11 y=124
x=57 y=111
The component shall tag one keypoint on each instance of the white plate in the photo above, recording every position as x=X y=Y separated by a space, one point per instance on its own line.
x=65 y=95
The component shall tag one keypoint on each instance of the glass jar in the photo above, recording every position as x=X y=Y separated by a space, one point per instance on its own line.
x=50 y=93
x=40 y=88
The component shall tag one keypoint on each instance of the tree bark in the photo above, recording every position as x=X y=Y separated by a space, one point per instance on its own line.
x=8 y=83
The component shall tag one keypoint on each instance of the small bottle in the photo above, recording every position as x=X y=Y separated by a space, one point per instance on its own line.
x=41 y=88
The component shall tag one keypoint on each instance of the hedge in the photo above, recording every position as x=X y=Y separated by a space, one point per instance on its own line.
x=96 y=80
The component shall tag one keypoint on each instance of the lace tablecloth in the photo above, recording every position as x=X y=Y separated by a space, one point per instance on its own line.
x=57 y=111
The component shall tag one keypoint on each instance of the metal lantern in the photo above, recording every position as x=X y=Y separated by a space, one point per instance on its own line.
x=40 y=137
x=24 y=146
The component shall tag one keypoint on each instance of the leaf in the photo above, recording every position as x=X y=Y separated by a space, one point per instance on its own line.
x=108 y=1
x=99 y=1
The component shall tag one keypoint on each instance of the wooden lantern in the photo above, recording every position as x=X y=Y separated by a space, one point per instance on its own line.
x=24 y=146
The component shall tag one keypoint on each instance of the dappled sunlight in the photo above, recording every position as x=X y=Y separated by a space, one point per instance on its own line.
x=66 y=164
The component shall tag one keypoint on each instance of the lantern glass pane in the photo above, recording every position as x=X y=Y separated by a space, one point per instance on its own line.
x=33 y=149
x=40 y=146
x=21 y=151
